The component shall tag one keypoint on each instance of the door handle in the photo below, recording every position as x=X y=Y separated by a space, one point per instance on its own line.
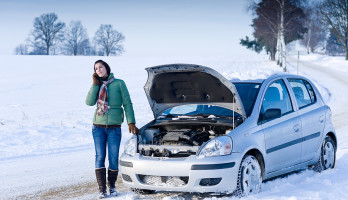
x=297 y=127
x=321 y=119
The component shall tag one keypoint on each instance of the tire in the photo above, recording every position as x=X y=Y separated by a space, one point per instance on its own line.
x=142 y=192
x=327 y=159
x=249 y=177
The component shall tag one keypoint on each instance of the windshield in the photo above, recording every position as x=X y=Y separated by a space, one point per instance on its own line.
x=197 y=109
x=248 y=93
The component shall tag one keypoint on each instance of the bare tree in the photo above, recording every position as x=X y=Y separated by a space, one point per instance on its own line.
x=109 y=39
x=76 y=38
x=22 y=49
x=47 y=30
x=335 y=16
x=317 y=31
x=333 y=47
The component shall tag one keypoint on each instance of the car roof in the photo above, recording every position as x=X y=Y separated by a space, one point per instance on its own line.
x=276 y=75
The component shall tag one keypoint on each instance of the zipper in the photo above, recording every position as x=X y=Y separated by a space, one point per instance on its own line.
x=107 y=119
x=107 y=113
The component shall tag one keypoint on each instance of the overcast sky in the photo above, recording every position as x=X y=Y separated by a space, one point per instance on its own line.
x=151 y=27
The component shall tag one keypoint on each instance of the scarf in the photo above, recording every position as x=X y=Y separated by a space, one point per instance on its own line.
x=102 y=103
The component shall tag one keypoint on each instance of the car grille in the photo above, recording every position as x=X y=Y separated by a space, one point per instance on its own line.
x=172 y=181
x=126 y=178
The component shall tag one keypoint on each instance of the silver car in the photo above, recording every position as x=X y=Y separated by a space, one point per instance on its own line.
x=213 y=135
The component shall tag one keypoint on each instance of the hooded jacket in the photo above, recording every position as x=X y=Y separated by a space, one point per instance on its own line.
x=118 y=99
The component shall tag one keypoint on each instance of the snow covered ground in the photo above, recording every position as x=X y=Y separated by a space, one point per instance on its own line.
x=45 y=126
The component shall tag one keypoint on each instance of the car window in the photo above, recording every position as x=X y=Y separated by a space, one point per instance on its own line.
x=311 y=91
x=277 y=97
x=182 y=109
x=248 y=93
x=303 y=92
x=196 y=109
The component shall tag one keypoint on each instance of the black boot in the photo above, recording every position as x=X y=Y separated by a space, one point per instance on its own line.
x=112 y=177
x=100 y=174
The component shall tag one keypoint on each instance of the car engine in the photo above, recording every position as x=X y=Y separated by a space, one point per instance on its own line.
x=176 y=141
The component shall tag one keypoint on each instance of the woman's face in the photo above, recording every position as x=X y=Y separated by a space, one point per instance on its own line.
x=100 y=70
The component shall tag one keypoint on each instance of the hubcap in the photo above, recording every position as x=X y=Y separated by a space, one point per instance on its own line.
x=251 y=176
x=329 y=155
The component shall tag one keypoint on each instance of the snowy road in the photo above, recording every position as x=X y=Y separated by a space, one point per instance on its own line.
x=337 y=84
x=70 y=174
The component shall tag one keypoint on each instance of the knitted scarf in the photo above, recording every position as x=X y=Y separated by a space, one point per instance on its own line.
x=102 y=103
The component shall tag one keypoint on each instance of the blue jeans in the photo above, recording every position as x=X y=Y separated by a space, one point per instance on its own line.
x=106 y=138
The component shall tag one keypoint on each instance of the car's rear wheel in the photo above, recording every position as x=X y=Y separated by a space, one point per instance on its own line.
x=142 y=192
x=249 y=177
x=327 y=157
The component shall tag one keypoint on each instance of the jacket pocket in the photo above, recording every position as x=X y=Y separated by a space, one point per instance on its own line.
x=115 y=116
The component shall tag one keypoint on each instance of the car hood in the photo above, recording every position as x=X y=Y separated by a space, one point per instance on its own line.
x=172 y=85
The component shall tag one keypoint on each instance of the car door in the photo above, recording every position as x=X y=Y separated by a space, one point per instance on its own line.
x=312 y=117
x=283 y=134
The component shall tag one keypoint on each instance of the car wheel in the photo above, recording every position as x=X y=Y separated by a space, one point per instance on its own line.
x=249 y=177
x=327 y=157
x=142 y=192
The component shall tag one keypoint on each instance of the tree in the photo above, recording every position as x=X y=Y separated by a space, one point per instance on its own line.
x=38 y=48
x=47 y=31
x=22 y=49
x=251 y=44
x=76 y=39
x=333 y=47
x=109 y=39
x=277 y=23
x=335 y=16
x=317 y=31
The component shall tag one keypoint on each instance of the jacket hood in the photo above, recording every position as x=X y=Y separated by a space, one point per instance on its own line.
x=111 y=76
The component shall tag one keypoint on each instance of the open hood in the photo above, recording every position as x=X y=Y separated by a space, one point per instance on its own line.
x=172 y=85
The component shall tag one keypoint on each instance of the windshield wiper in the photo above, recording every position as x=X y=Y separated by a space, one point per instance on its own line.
x=195 y=116
x=223 y=116
x=204 y=115
x=214 y=116
x=165 y=116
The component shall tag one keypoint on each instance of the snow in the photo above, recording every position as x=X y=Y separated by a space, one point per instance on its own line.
x=45 y=125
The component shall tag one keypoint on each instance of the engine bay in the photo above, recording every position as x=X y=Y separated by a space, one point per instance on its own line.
x=177 y=140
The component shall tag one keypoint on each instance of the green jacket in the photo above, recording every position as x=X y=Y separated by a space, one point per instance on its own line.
x=118 y=96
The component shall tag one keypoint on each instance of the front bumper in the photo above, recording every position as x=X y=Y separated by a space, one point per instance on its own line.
x=211 y=174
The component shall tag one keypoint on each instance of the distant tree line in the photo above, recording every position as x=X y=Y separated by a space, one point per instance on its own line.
x=52 y=37
x=320 y=26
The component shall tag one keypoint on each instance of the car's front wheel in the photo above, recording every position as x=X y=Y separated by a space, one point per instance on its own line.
x=327 y=157
x=249 y=177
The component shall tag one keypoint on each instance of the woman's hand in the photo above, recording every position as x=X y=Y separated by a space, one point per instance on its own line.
x=132 y=128
x=95 y=79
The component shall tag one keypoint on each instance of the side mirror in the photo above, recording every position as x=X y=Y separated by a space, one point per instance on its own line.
x=272 y=113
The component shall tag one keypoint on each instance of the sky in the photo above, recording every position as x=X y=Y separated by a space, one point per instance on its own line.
x=151 y=27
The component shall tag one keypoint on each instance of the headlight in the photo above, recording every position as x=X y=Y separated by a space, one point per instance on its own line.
x=131 y=146
x=216 y=147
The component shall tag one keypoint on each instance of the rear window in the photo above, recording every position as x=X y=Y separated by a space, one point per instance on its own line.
x=248 y=93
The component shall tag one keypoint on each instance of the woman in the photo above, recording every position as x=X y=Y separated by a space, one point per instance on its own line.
x=110 y=94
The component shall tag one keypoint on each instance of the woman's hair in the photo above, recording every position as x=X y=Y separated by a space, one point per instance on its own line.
x=108 y=70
